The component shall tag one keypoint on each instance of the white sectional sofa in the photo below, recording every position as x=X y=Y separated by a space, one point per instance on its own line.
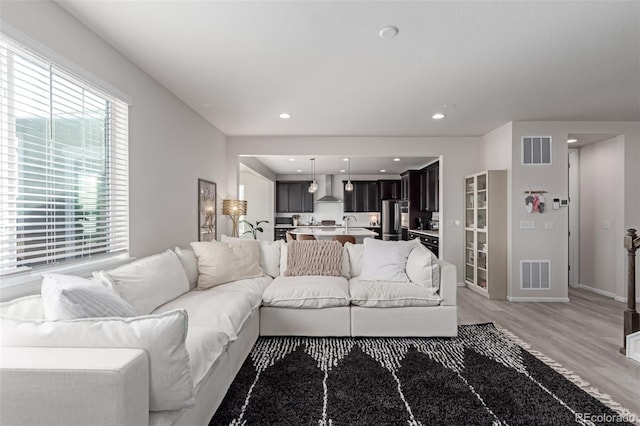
x=51 y=380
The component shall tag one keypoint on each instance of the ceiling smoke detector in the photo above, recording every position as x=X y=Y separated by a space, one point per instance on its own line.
x=388 y=32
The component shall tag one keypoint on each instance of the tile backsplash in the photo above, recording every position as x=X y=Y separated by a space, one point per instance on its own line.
x=333 y=211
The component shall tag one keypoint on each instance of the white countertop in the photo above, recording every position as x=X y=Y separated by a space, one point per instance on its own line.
x=329 y=231
x=425 y=232
x=279 y=226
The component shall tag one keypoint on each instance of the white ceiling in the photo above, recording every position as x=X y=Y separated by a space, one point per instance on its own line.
x=240 y=64
x=282 y=165
x=588 y=139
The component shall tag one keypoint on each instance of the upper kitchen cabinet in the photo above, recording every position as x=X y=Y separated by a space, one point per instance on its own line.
x=364 y=198
x=389 y=189
x=410 y=185
x=293 y=197
x=430 y=187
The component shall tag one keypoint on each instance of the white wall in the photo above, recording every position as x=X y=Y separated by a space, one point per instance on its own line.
x=460 y=157
x=541 y=244
x=259 y=193
x=170 y=146
x=602 y=216
x=497 y=146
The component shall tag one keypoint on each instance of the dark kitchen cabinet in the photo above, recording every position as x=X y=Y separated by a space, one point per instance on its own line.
x=281 y=233
x=431 y=242
x=389 y=189
x=410 y=185
x=430 y=187
x=404 y=186
x=364 y=198
x=293 y=197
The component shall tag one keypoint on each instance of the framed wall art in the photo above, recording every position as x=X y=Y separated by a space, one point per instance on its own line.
x=207 y=211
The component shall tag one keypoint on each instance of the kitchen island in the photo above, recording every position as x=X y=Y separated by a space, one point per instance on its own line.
x=328 y=232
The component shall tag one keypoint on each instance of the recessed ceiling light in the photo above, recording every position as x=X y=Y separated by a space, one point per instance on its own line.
x=343 y=171
x=438 y=116
x=388 y=32
x=299 y=171
x=292 y=159
x=383 y=170
x=396 y=159
x=345 y=159
x=572 y=140
x=285 y=115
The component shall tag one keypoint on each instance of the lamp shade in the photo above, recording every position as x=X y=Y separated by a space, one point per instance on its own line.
x=234 y=207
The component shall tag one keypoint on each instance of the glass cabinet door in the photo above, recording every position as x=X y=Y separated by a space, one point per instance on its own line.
x=469 y=204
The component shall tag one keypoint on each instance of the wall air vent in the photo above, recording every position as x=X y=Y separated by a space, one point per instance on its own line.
x=536 y=150
x=535 y=274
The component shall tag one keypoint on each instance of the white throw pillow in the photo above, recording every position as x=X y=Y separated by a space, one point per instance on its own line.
x=27 y=307
x=189 y=262
x=66 y=297
x=423 y=268
x=355 y=252
x=346 y=268
x=220 y=263
x=385 y=260
x=161 y=336
x=269 y=254
x=284 y=252
x=148 y=282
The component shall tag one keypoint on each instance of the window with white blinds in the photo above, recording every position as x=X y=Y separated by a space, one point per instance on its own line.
x=63 y=165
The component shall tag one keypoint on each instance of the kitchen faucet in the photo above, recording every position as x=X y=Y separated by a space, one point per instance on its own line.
x=346 y=222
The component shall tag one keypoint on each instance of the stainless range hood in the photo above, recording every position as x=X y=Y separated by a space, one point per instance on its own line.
x=328 y=197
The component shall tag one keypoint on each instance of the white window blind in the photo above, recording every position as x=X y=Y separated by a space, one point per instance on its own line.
x=63 y=165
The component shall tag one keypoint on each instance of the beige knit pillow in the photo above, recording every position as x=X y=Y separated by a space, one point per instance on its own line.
x=220 y=263
x=314 y=258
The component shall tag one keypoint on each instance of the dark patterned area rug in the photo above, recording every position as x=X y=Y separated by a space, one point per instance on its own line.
x=485 y=376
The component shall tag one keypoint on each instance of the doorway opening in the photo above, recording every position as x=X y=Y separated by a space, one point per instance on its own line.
x=596 y=212
x=258 y=191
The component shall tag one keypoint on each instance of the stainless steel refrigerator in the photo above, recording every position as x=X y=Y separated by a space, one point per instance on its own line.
x=391 y=229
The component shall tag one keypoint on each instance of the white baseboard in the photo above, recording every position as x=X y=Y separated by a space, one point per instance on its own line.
x=605 y=293
x=624 y=299
x=597 y=291
x=461 y=285
x=538 y=299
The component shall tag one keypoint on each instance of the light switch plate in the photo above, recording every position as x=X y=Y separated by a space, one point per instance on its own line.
x=528 y=224
x=548 y=224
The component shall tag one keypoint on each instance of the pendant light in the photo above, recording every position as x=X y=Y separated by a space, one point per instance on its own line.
x=349 y=186
x=314 y=186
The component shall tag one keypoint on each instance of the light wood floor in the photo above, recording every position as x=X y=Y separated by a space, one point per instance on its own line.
x=583 y=335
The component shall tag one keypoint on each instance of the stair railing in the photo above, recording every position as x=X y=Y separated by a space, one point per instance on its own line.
x=631 y=317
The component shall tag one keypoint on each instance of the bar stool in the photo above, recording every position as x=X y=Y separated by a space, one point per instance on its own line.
x=342 y=239
x=305 y=237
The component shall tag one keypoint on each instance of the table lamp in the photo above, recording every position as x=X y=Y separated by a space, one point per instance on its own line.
x=234 y=209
